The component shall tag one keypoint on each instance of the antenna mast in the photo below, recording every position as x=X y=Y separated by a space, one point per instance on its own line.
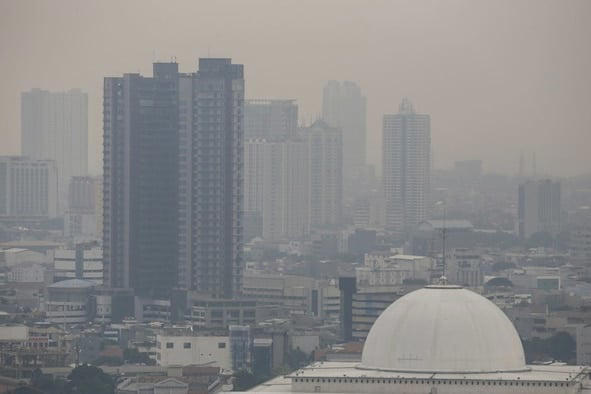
x=443 y=235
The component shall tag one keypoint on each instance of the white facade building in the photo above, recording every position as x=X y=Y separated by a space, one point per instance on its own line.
x=406 y=164
x=68 y=301
x=26 y=273
x=276 y=186
x=64 y=264
x=28 y=187
x=464 y=268
x=325 y=153
x=54 y=125
x=383 y=270
x=193 y=350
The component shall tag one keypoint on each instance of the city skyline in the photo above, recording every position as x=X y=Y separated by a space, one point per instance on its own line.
x=497 y=93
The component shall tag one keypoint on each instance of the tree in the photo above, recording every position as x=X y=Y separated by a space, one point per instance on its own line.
x=296 y=358
x=244 y=380
x=134 y=356
x=561 y=347
x=88 y=379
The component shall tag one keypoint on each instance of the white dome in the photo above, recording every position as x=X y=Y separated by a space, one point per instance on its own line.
x=443 y=329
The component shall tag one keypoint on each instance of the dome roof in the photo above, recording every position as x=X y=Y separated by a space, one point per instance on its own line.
x=443 y=329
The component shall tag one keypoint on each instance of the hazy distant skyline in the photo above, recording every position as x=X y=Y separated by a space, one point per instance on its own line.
x=497 y=77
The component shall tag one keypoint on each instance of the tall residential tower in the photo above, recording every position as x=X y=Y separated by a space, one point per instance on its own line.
x=54 y=125
x=140 y=181
x=344 y=107
x=173 y=164
x=211 y=188
x=406 y=168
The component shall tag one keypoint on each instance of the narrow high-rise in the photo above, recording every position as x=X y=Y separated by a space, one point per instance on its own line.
x=272 y=120
x=325 y=169
x=140 y=181
x=54 y=126
x=539 y=207
x=276 y=187
x=344 y=107
x=211 y=189
x=406 y=168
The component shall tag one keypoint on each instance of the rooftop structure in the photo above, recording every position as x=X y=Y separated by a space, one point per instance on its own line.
x=440 y=339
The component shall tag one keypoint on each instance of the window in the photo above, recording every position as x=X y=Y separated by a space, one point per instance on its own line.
x=169 y=345
x=221 y=345
x=187 y=345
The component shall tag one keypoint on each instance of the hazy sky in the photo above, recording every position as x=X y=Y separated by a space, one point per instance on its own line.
x=497 y=76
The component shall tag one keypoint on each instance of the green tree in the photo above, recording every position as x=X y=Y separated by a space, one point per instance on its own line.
x=244 y=380
x=561 y=347
x=133 y=356
x=88 y=379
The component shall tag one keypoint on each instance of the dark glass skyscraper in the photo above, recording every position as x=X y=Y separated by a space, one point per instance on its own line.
x=173 y=162
x=140 y=189
x=211 y=175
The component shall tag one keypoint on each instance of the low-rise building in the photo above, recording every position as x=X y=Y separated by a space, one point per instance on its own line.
x=194 y=350
x=382 y=269
x=69 y=301
x=464 y=268
x=79 y=263
x=26 y=273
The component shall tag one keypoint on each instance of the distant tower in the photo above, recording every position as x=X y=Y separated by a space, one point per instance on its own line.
x=533 y=165
x=406 y=167
x=325 y=176
x=521 y=165
x=54 y=125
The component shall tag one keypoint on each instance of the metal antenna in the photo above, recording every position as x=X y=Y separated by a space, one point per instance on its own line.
x=443 y=234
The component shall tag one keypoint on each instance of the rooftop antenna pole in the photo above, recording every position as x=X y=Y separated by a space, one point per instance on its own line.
x=443 y=234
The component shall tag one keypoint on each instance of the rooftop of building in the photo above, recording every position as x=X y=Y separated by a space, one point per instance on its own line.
x=72 y=284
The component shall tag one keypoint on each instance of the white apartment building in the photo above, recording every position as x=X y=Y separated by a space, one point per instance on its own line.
x=54 y=125
x=276 y=185
x=406 y=164
x=26 y=273
x=325 y=150
x=192 y=350
x=64 y=264
x=464 y=268
x=28 y=188
x=383 y=270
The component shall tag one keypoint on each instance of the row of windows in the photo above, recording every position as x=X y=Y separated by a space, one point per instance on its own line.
x=187 y=345
x=431 y=382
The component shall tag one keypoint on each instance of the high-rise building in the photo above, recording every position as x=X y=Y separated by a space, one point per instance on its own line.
x=80 y=219
x=254 y=166
x=54 y=125
x=271 y=120
x=406 y=166
x=211 y=178
x=173 y=183
x=285 y=208
x=539 y=207
x=325 y=169
x=344 y=107
x=276 y=185
x=140 y=184
x=28 y=188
